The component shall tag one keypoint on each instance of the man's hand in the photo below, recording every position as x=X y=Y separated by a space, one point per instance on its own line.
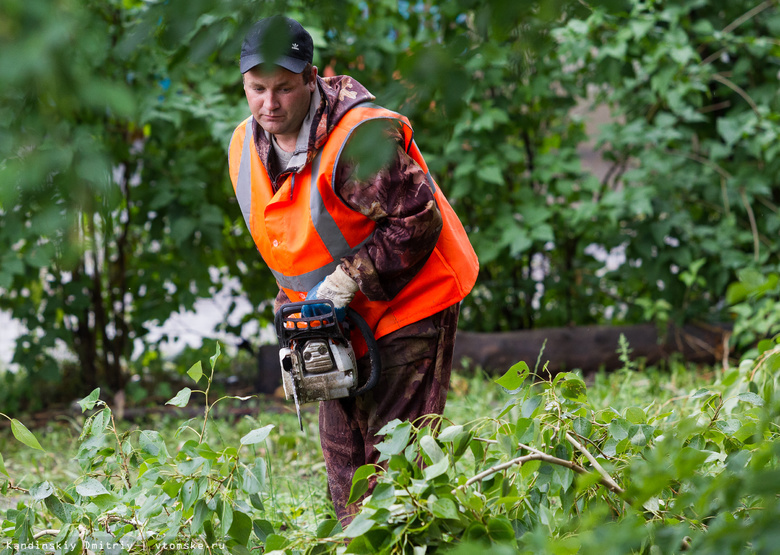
x=338 y=287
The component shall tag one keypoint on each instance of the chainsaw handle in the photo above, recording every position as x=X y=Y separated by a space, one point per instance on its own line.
x=373 y=351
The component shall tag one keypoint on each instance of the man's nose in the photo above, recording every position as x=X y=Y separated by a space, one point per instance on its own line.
x=272 y=100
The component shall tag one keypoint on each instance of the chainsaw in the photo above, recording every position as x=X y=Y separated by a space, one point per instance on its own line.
x=316 y=356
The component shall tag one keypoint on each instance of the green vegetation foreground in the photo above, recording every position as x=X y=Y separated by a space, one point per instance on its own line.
x=637 y=462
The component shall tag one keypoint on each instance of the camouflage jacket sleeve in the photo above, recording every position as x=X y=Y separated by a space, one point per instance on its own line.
x=408 y=222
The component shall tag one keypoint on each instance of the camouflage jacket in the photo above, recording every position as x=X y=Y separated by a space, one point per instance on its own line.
x=397 y=198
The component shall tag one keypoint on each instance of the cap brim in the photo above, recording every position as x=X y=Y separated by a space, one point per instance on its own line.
x=290 y=64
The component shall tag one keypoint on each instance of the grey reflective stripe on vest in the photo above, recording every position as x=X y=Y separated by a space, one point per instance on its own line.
x=323 y=221
x=244 y=180
x=304 y=282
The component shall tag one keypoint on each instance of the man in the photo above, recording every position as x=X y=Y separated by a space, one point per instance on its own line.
x=387 y=244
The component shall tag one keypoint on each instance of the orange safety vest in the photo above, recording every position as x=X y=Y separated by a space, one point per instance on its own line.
x=303 y=231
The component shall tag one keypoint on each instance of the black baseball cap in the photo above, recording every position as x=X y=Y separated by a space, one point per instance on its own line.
x=278 y=40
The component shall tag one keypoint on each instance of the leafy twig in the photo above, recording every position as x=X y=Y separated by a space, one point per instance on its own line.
x=122 y=455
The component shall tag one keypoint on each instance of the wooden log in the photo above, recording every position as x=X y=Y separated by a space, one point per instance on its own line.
x=587 y=348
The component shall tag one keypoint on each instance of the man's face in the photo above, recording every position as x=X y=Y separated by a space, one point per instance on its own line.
x=279 y=100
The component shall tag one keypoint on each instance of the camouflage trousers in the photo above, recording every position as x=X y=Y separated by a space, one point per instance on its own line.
x=416 y=366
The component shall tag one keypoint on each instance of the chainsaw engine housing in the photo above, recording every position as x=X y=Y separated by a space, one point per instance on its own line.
x=317 y=360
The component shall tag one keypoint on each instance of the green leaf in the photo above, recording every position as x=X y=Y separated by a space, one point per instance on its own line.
x=24 y=435
x=327 y=528
x=492 y=174
x=208 y=531
x=275 y=542
x=360 y=482
x=432 y=449
x=241 y=528
x=89 y=402
x=181 y=399
x=619 y=428
x=189 y=494
x=25 y=519
x=641 y=434
x=63 y=511
x=703 y=392
x=585 y=481
x=215 y=356
x=437 y=469
x=41 y=491
x=368 y=149
x=100 y=421
x=389 y=427
x=729 y=129
x=382 y=497
x=450 y=433
x=513 y=378
x=249 y=482
x=199 y=516
x=397 y=441
x=582 y=426
x=189 y=466
x=500 y=529
x=525 y=430
x=256 y=502
x=444 y=508
x=172 y=488
x=225 y=517
x=530 y=405
x=151 y=442
x=182 y=228
x=91 y=488
x=359 y=526
x=262 y=529
x=751 y=398
x=635 y=415
x=2 y=466
x=476 y=533
x=257 y=435
x=195 y=372
x=461 y=443
x=574 y=389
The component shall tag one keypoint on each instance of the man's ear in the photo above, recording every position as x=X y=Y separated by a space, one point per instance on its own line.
x=313 y=81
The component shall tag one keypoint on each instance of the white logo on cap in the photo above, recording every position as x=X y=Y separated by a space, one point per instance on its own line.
x=295 y=46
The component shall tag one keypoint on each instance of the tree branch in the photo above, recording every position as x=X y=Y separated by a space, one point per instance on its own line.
x=611 y=484
x=42 y=533
x=736 y=23
x=753 y=225
x=737 y=89
x=748 y=15
x=537 y=455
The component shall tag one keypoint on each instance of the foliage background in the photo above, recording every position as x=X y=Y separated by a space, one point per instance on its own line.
x=116 y=210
